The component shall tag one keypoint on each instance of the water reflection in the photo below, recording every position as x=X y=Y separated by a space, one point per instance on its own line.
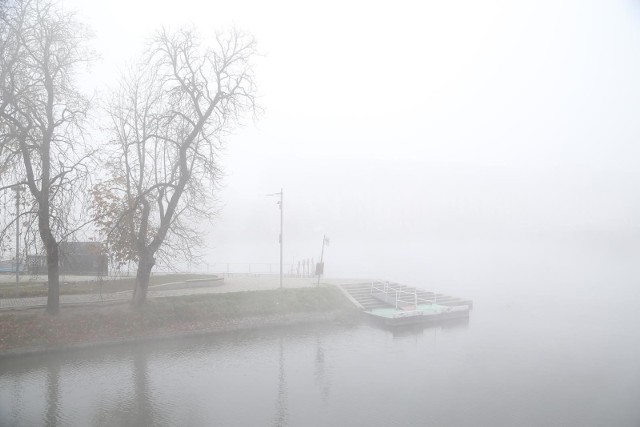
x=131 y=401
x=53 y=394
x=337 y=375
x=281 y=403
x=144 y=410
x=420 y=329
x=322 y=379
x=195 y=380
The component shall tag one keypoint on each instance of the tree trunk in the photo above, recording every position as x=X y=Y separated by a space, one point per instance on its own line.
x=143 y=274
x=53 y=277
x=53 y=256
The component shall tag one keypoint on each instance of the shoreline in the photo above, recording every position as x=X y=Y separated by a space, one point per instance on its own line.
x=32 y=332
x=247 y=324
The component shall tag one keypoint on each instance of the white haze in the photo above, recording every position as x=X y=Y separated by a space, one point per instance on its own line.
x=409 y=132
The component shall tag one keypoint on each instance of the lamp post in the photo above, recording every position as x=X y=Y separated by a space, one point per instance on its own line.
x=17 y=189
x=281 y=194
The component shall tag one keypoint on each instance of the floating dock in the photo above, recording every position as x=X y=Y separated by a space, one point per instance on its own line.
x=397 y=304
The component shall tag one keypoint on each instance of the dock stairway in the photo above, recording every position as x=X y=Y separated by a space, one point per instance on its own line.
x=362 y=295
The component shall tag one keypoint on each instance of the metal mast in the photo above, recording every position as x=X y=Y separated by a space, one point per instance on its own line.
x=281 y=194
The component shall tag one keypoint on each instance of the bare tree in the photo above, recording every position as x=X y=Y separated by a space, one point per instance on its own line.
x=168 y=118
x=41 y=118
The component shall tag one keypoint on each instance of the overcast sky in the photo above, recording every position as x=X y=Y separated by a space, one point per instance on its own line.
x=394 y=122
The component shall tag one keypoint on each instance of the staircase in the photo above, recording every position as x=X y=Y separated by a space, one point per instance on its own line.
x=360 y=295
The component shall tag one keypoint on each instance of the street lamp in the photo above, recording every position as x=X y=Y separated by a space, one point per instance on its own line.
x=281 y=194
x=17 y=188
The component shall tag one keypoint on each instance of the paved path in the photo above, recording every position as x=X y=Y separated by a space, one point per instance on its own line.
x=229 y=284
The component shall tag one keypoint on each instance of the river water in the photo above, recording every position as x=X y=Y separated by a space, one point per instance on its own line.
x=554 y=343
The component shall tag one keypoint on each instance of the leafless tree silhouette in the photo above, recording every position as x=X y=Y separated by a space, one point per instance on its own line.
x=168 y=119
x=41 y=118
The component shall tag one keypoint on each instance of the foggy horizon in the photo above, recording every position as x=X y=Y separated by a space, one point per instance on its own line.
x=387 y=124
x=458 y=186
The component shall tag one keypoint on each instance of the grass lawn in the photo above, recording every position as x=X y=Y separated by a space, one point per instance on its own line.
x=161 y=316
x=37 y=288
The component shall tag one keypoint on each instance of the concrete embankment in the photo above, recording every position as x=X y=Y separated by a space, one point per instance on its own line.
x=187 y=307
x=32 y=331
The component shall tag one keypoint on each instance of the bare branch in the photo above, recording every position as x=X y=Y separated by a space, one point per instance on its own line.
x=42 y=116
x=168 y=119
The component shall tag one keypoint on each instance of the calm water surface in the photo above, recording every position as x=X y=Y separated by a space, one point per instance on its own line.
x=557 y=348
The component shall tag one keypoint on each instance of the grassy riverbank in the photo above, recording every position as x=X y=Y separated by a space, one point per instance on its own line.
x=33 y=329
x=36 y=286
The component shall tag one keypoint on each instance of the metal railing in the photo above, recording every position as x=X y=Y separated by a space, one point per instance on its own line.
x=230 y=269
x=396 y=295
x=259 y=269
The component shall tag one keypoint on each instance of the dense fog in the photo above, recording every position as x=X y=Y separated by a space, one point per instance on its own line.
x=483 y=149
x=409 y=134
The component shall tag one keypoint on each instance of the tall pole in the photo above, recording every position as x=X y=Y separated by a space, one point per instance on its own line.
x=17 y=189
x=281 y=194
x=281 y=230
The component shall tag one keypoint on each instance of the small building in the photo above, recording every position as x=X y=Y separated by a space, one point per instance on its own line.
x=9 y=266
x=78 y=258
